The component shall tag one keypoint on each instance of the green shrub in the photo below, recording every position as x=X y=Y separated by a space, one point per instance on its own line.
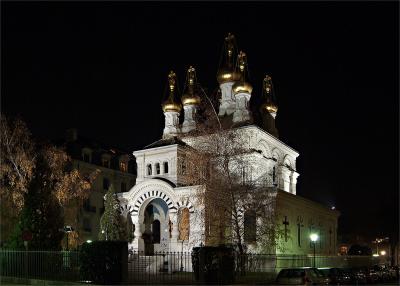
x=213 y=265
x=104 y=262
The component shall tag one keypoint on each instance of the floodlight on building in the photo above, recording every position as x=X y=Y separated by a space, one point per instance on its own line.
x=88 y=241
x=375 y=255
x=314 y=237
x=383 y=252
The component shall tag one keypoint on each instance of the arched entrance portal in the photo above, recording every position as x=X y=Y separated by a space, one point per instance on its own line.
x=156 y=227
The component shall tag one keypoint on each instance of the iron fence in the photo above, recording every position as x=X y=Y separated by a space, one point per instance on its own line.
x=161 y=267
x=46 y=265
x=164 y=267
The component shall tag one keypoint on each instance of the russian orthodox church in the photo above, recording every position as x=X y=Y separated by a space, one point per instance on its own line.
x=161 y=206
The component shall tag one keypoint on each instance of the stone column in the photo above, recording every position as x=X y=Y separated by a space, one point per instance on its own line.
x=137 y=243
x=174 y=233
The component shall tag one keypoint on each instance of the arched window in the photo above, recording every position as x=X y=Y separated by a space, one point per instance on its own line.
x=156 y=231
x=149 y=170
x=184 y=224
x=157 y=168
x=250 y=226
x=166 y=167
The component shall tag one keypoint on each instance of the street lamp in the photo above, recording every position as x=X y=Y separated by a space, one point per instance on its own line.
x=67 y=229
x=314 y=238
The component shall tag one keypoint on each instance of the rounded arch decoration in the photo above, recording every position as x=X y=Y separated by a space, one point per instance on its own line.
x=185 y=204
x=264 y=148
x=153 y=194
x=145 y=192
x=287 y=161
x=277 y=155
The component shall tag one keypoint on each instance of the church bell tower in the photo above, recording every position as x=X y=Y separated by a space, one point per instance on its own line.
x=172 y=108
x=227 y=76
x=190 y=101
x=242 y=91
x=269 y=107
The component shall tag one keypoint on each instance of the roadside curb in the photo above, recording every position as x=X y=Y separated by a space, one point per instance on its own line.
x=27 y=281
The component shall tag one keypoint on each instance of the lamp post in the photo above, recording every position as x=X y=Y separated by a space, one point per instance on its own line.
x=314 y=238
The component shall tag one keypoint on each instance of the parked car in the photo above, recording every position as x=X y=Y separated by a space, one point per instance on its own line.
x=365 y=275
x=383 y=272
x=394 y=272
x=357 y=276
x=301 y=276
x=336 y=275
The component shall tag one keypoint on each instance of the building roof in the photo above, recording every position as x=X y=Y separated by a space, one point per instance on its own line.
x=166 y=142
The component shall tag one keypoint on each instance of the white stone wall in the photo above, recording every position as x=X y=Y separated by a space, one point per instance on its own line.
x=152 y=157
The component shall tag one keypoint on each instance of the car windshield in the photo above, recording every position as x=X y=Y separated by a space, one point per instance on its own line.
x=325 y=271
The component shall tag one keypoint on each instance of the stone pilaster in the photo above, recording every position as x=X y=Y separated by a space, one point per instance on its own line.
x=293 y=181
x=227 y=104
x=242 y=112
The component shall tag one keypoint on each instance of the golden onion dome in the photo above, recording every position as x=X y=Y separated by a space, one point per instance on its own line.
x=171 y=104
x=190 y=97
x=171 y=107
x=268 y=103
x=226 y=71
x=242 y=87
x=227 y=75
x=270 y=107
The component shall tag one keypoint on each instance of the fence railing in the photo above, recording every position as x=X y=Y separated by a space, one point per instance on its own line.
x=161 y=267
x=164 y=267
x=46 y=265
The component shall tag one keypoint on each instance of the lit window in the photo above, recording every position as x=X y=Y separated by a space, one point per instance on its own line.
x=166 y=167
x=149 y=170
x=123 y=166
x=157 y=168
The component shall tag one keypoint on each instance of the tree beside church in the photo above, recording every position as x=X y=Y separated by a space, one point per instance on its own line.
x=37 y=184
x=112 y=225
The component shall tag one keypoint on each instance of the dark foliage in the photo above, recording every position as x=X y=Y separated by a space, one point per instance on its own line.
x=104 y=262
x=213 y=265
x=42 y=213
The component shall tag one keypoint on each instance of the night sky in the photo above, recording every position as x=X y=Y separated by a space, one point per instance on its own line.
x=102 y=67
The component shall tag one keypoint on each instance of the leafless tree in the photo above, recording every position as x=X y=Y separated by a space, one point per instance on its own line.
x=235 y=189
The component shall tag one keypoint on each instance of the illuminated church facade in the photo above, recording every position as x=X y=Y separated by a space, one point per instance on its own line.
x=162 y=207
